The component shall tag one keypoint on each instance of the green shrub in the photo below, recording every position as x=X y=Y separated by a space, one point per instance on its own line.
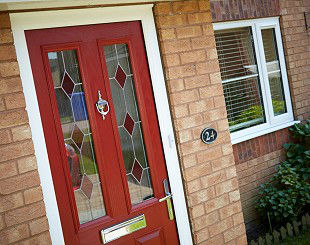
x=288 y=195
x=256 y=112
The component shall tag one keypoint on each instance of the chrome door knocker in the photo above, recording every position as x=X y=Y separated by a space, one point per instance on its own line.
x=101 y=104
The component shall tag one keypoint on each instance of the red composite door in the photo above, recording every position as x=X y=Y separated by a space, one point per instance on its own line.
x=102 y=134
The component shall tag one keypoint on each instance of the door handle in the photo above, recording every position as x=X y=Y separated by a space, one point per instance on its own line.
x=167 y=198
x=101 y=104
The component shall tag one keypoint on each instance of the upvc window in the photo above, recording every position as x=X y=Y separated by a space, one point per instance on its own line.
x=254 y=78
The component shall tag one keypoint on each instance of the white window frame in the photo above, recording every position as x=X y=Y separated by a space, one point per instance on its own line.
x=273 y=123
x=23 y=21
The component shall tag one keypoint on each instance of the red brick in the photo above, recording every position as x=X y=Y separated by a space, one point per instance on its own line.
x=213 y=90
x=201 y=236
x=189 y=122
x=8 y=69
x=201 y=197
x=162 y=9
x=189 y=31
x=197 y=211
x=171 y=21
x=193 y=56
x=198 y=18
x=181 y=71
x=5 y=21
x=184 y=97
x=226 y=186
x=33 y=195
x=27 y=164
x=230 y=210
x=220 y=227
x=7 y=169
x=216 y=203
x=5 y=137
x=197 y=171
x=6 y=36
x=200 y=106
x=14 y=101
x=213 y=178
x=167 y=34
x=2 y=224
x=10 y=85
x=196 y=81
x=14 y=234
x=38 y=226
x=209 y=154
x=234 y=232
x=7 y=52
x=9 y=202
x=20 y=182
x=185 y=7
x=42 y=239
x=13 y=151
x=23 y=214
x=238 y=219
x=11 y=119
x=21 y=133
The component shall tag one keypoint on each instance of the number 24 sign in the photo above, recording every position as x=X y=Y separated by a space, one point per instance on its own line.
x=208 y=135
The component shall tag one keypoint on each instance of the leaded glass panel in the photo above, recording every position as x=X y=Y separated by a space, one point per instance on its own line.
x=77 y=135
x=129 y=123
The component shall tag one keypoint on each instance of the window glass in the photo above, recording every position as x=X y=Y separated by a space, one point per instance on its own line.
x=241 y=83
x=128 y=122
x=77 y=135
x=274 y=72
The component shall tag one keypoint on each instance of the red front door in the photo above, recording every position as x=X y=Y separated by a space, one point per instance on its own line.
x=102 y=134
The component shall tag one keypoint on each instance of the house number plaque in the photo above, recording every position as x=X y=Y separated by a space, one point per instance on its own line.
x=208 y=135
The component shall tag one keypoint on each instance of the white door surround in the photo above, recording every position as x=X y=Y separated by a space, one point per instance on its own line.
x=74 y=17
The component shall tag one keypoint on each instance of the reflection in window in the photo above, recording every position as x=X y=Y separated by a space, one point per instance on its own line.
x=240 y=78
x=274 y=72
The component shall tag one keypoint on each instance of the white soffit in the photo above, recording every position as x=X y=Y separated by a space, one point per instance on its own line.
x=11 y=5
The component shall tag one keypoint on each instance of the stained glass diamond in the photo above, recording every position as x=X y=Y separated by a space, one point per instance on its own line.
x=120 y=76
x=77 y=136
x=137 y=170
x=67 y=84
x=87 y=186
x=129 y=123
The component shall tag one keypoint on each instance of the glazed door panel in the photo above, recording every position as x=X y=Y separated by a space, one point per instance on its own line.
x=101 y=130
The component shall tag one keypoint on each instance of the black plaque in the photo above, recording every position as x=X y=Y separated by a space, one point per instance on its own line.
x=208 y=135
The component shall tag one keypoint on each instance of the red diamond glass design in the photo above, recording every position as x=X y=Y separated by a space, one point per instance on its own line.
x=87 y=186
x=68 y=84
x=129 y=123
x=120 y=76
x=77 y=136
x=137 y=170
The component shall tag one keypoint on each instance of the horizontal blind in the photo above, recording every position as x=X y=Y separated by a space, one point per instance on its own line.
x=240 y=78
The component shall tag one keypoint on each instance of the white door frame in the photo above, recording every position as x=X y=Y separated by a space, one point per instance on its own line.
x=74 y=17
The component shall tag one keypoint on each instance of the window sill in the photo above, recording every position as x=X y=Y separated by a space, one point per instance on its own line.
x=236 y=140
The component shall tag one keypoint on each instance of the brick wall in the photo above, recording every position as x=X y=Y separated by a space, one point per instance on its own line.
x=196 y=97
x=225 y=10
x=296 y=41
x=22 y=211
x=255 y=162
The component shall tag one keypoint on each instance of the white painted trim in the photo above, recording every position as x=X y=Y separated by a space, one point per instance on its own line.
x=263 y=132
x=273 y=123
x=47 y=19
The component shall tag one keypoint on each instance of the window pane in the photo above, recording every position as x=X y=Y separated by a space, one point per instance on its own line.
x=77 y=135
x=274 y=73
x=129 y=123
x=240 y=78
